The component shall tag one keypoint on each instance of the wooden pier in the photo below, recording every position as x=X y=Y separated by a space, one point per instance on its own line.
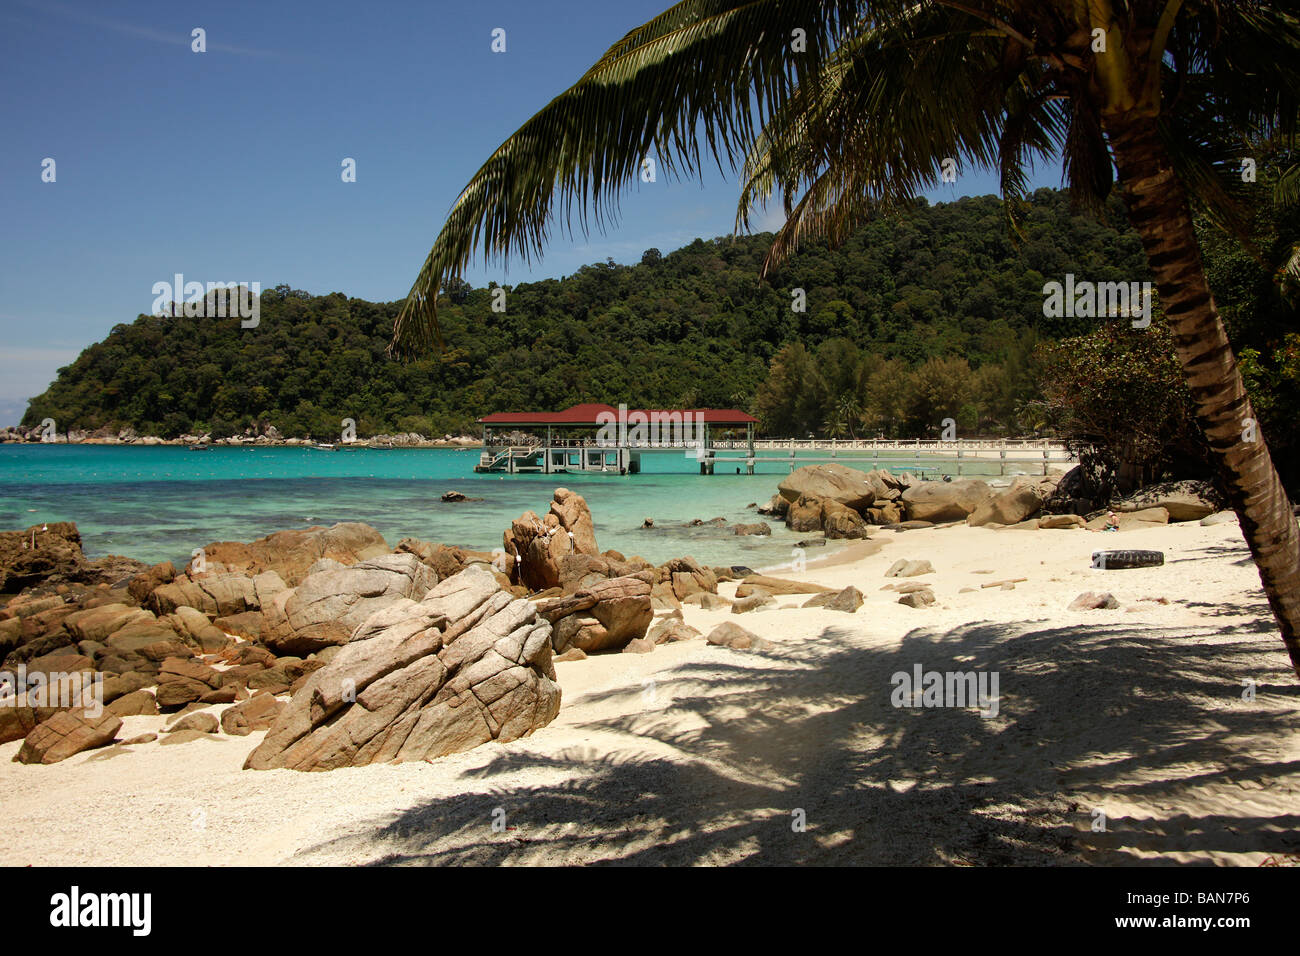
x=601 y=438
x=605 y=440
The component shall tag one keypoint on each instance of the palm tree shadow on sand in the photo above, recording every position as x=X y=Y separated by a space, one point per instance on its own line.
x=718 y=766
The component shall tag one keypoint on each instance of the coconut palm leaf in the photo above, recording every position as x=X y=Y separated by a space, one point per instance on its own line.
x=705 y=70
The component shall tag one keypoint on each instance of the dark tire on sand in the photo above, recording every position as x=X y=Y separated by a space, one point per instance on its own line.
x=1120 y=560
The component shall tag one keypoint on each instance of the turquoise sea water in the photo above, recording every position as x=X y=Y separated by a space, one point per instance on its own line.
x=160 y=503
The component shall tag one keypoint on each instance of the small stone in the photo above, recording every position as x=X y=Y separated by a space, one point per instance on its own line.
x=908 y=569
x=203 y=722
x=756 y=599
x=1094 y=601
x=923 y=598
x=848 y=600
x=665 y=631
x=572 y=654
x=638 y=645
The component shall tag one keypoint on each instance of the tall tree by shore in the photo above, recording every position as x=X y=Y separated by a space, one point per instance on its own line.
x=847 y=108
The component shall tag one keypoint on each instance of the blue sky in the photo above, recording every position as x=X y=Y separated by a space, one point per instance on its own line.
x=225 y=165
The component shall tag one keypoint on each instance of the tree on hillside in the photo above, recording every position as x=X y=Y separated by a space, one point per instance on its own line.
x=1148 y=436
x=848 y=108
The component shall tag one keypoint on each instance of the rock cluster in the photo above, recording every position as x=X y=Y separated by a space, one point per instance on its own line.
x=842 y=502
x=466 y=664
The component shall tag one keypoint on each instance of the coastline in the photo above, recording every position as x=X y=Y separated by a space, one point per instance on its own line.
x=706 y=764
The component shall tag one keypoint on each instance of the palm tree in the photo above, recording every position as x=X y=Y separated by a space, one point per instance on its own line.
x=848 y=108
x=849 y=413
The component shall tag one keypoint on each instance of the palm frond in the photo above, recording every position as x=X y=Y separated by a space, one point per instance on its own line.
x=704 y=70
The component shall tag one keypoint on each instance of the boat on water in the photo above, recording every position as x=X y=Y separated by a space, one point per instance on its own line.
x=199 y=447
x=325 y=447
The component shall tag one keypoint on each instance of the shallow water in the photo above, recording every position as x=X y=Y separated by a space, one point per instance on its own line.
x=160 y=503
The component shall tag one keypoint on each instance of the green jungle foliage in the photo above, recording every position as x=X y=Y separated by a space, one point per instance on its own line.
x=913 y=320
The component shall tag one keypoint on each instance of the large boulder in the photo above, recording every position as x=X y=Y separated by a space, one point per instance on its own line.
x=686 y=576
x=570 y=508
x=856 y=489
x=1183 y=500
x=535 y=547
x=446 y=560
x=1023 y=500
x=216 y=594
x=938 y=501
x=100 y=623
x=465 y=665
x=327 y=606
x=29 y=557
x=804 y=514
x=841 y=521
x=257 y=713
x=67 y=733
x=146 y=582
x=604 y=616
x=777 y=586
x=291 y=553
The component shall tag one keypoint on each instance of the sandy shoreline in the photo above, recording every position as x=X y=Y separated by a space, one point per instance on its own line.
x=701 y=754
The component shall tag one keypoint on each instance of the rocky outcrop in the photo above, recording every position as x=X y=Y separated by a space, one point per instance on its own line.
x=257 y=713
x=804 y=514
x=736 y=637
x=66 y=734
x=535 y=547
x=291 y=553
x=216 y=594
x=1023 y=500
x=687 y=576
x=465 y=665
x=446 y=560
x=939 y=501
x=905 y=568
x=841 y=521
x=848 y=486
x=1130 y=520
x=605 y=616
x=146 y=582
x=777 y=586
x=42 y=551
x=1183 y=500
x=848 y=600
x=571 y=510
x=328 y=606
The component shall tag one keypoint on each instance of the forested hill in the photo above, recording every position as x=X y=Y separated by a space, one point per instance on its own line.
x=693 y=328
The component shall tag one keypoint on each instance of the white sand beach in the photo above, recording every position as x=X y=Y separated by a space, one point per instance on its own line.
x=696 y=754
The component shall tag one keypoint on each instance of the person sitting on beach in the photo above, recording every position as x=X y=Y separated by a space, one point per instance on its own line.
x=1112 y=523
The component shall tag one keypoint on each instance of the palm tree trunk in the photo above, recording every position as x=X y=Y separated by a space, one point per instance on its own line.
x=1159 y=211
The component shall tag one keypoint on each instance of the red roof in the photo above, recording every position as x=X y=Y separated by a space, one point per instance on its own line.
x=587 y=414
